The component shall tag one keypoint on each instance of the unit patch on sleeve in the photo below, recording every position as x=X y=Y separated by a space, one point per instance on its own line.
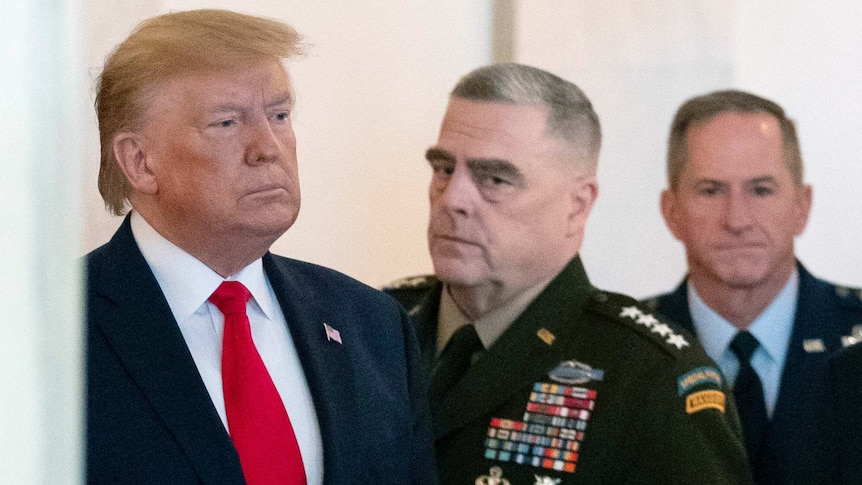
x=696 y=377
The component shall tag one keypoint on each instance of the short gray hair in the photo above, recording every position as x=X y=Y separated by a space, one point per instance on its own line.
x=571 y=115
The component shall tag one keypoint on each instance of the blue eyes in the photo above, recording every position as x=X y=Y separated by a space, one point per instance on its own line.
x=280 y=117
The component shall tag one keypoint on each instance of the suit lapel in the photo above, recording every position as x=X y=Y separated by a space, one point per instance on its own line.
x=802 y=370
x=520 y=357
x=325 y=363
x=138 y=324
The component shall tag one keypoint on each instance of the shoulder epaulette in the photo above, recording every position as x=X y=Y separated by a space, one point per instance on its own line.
x=650 y=303
x=851 y=296
x=639 y=317
x=419 y=282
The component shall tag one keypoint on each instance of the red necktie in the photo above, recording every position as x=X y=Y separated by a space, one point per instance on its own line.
x=256 y=418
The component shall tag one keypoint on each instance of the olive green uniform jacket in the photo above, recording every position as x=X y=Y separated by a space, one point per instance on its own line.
x=584 y=387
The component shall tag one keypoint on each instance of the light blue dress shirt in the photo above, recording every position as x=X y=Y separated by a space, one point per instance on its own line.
x=772 y=329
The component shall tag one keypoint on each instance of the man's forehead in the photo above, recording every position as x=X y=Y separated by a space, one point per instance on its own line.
x=481 y=129
x=729 y=126
x=736 y=146
x=267 y=81
x=495 y=118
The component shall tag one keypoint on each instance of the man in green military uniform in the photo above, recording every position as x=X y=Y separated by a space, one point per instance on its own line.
x=536 y=376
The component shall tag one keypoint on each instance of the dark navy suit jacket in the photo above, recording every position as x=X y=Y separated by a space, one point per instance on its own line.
x=802 y=446
x=846 y=379
x=151 y=420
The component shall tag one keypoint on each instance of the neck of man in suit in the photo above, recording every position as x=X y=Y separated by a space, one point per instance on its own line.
x=740 y=304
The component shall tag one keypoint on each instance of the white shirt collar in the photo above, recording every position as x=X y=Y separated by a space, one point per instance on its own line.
x=187 y=282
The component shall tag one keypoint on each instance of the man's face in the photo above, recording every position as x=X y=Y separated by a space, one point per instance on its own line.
x=505 y=212
x=223 y=152
x=737 y=208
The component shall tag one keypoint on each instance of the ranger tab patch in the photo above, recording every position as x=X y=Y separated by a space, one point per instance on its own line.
x=709 y=399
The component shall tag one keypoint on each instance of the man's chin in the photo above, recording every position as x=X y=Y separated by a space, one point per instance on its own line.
x=743 y=279
x=455 y=273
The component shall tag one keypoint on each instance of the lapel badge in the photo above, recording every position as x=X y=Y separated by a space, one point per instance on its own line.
x=813 y=345
x=546 y=336
x=331 y=333
x=574 y=372
x=494 y=477
x=547 y=480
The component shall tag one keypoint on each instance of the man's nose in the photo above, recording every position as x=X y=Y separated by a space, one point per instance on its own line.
x=263 y=144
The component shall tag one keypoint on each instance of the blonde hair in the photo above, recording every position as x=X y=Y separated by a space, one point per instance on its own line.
x=163 y=48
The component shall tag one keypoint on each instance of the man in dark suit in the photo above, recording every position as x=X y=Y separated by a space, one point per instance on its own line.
x=538 y=377
x=736 y=199
x=209 y=359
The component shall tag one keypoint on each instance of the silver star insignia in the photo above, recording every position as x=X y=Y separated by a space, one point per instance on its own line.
x=631 y=312
x=662 y=329
x=678 y=340
x=647 y=320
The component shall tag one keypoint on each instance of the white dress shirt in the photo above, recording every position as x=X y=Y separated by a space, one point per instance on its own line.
x=772 y=328
x=187 y=284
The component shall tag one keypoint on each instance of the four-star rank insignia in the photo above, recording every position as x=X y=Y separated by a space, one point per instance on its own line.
x=655 y=326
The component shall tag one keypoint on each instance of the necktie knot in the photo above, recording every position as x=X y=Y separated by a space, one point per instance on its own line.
x=465 y=340
x=743 y=345
x=230 y=297
x=454 y=361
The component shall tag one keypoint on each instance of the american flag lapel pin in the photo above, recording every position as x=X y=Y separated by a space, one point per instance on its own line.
x=331 y=333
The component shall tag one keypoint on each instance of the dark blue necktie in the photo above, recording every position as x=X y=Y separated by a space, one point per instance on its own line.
x=748 y=394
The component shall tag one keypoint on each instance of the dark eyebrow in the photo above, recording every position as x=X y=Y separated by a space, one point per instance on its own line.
x=495 y=166
x=761 y=180
x=435 y=153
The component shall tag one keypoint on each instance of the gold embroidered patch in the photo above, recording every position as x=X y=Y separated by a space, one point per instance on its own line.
x=546 y=336
x=704 y=400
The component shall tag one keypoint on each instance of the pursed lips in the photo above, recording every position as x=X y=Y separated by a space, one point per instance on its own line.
x=453 y=239
x=740 y=246
x=266 y=188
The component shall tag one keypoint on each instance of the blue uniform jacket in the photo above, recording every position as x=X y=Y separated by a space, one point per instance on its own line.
x=799 y=438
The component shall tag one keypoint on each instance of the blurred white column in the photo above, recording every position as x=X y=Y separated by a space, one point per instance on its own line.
x=41 y=370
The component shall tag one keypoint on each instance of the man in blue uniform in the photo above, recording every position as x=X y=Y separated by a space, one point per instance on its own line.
x=736 y=199
x=846 y=380
x=538 y=377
